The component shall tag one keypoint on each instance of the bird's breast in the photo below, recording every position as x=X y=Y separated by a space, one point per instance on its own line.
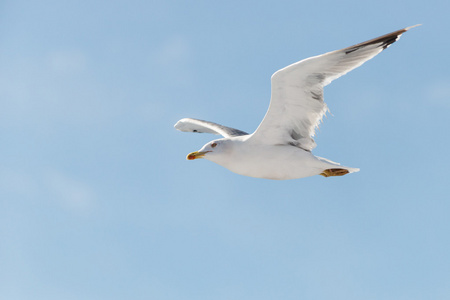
x=271 y=162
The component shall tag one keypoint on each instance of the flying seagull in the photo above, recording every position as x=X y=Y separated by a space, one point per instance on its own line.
x=281 y=146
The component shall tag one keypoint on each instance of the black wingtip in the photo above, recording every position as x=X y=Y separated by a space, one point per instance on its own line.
x=384 y=40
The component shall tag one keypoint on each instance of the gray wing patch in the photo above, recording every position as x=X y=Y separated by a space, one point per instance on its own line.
x=201 y=126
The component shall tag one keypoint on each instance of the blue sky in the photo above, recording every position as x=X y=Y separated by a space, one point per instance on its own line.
x=97 y=200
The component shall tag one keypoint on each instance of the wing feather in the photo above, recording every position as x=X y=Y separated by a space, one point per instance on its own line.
x=296 y=106
x=200 y=126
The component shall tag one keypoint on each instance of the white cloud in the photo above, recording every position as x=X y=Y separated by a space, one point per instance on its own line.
x=71 y=193
x=17 y=182
x=67 y=61
x=64 y=189
x=171 y=62
x=55 y=88
x=439 y=93
x=173 y=51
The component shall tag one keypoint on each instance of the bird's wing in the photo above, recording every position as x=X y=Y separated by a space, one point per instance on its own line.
x=194 y=125
x=297 y=106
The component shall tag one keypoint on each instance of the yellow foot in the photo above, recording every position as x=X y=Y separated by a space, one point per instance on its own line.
x=334 y=172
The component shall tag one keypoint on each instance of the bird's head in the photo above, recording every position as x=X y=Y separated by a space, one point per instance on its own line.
x=212 y=150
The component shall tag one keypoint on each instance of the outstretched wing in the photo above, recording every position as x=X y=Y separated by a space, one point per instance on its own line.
x=194 y=125
x=297 y=106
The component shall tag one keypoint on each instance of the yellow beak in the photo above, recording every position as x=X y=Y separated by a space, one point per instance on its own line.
x=196 y=154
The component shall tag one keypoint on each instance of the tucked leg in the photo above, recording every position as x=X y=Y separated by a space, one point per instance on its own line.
x=334 y=172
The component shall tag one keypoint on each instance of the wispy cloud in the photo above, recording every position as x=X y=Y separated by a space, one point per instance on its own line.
x=73 y=194
x=439 y=93
x=172 y=61
x=67 y=61
x=64 y=189
x=15 y=182
x=173 y=51
x=56 y=87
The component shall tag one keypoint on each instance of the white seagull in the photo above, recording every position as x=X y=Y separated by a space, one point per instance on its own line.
x=280 y=148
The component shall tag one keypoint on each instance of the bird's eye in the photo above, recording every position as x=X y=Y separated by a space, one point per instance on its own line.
x=213 y=145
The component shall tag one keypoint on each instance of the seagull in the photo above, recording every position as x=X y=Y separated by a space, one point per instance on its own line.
x=281 y=146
